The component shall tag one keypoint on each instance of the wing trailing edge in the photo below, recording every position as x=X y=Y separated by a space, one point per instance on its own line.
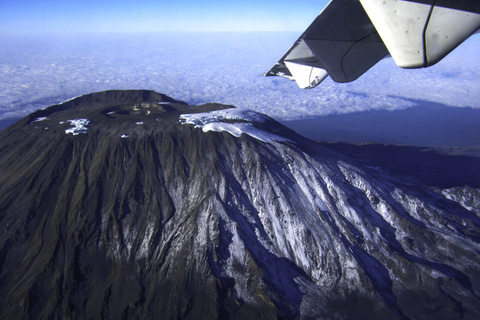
x=351 y=36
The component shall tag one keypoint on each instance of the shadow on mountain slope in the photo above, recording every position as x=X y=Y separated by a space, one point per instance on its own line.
x=419 y=165
x=427 y=124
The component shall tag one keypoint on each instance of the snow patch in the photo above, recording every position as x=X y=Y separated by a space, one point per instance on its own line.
x=79 y=126
x=40 y=119
x=68 y=100
x=234 y=121
x=124 y=136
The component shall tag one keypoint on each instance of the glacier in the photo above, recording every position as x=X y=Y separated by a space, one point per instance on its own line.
x=243 y=123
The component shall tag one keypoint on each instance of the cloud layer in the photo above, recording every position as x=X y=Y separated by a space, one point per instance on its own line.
x=216 y=67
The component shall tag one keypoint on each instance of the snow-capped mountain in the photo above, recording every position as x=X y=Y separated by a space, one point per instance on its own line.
x=129 y=204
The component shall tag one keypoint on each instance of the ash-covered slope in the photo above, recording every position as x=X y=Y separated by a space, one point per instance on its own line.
x=113 y=205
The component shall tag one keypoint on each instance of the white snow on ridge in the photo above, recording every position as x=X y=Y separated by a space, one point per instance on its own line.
x=226 y=114
x=80 y=126
x=40 y=119
x=215 y=121
x=73 y=98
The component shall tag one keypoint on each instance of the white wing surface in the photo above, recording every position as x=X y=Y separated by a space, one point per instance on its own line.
x=350 y=36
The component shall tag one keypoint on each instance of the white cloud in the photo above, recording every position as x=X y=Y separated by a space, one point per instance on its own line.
x=217 y=67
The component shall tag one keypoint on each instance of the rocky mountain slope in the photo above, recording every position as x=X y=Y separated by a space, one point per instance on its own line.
x=129 y=204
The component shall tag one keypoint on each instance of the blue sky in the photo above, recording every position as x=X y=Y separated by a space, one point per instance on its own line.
x=33 y=16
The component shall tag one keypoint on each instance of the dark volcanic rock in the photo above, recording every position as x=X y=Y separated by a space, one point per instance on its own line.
x=140 y=216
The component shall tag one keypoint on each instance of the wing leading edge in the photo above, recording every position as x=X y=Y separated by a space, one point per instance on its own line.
x=351 y=36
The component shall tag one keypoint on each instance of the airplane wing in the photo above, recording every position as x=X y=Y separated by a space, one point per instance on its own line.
x=351 y=36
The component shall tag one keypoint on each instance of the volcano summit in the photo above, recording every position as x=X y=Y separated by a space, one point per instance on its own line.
x=129 y=204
